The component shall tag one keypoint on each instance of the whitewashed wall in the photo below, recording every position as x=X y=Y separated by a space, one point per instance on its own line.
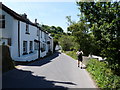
x=11 y=31
x=27 y=37
x=14 y=39
x=6 y=32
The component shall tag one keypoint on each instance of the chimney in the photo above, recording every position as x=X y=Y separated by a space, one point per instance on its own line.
x=35 y=21
x=24 y=15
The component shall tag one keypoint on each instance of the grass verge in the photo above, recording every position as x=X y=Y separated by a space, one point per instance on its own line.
x=103 y=75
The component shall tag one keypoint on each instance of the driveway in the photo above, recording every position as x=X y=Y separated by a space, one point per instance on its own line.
x=55 y=71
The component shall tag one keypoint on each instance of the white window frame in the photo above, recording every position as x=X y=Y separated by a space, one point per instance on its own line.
x=38 y=33
x=27 y=28
x=2 y=21
x=31 y=47
x=36 y=46
x=41 y=34
x=24 y=47
x=43 y=47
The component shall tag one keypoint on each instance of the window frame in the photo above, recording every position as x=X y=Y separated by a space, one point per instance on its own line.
x=43 y=47
x=41 y=34
x=38 y=33
x=36 y=45
x=27 y=28
x=25 y=47
x=31 y=47
x=2 y=21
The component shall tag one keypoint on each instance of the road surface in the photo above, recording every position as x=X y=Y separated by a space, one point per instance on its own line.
x=55 y=71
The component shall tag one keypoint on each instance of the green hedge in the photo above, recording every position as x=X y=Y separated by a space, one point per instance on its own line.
x=103 y=75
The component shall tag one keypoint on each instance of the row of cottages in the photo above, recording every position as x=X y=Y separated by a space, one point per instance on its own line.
x=27 y=40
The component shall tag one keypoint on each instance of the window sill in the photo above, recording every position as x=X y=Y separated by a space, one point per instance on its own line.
x=42 y=50
x=27 y=33
x=25 y=53
x=30 y=52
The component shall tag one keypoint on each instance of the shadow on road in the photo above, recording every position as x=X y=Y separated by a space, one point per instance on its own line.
x=45 y=60
x=17 y=78
x=25 y=79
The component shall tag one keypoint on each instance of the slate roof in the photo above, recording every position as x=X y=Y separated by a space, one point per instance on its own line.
x=17 y=16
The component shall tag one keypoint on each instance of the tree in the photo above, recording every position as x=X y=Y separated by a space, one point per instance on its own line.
x=104 y=23
x=59 y=29
x=82 y=36
x=67 y=43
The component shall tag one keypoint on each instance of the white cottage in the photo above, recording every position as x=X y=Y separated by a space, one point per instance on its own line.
x=46 y=43
x=26 y=39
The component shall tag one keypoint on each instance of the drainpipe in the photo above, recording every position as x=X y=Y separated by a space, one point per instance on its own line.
x=39 y=44
x=18 y=38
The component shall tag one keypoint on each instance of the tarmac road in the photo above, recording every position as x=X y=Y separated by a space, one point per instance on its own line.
x=55 y=71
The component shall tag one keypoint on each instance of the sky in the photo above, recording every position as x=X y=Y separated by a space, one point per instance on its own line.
x=47 y=13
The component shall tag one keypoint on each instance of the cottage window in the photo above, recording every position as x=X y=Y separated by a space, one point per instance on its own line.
x=43 y=47
x=45 y=35
x=41 y=34
x=48 y=42
x=9 y=41
x=27 y=29
x=36 y=46
x=24 y=47
x=38 y=33
x=2 y=21
x=31 y=47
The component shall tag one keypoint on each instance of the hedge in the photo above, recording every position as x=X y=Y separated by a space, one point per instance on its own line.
x=103 y=75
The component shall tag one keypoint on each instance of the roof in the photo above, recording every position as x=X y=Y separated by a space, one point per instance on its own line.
x=17 y=16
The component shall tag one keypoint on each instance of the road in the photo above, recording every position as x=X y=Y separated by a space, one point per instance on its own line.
x=55 y=71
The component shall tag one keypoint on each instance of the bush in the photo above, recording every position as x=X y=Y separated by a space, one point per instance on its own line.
x=104 y=76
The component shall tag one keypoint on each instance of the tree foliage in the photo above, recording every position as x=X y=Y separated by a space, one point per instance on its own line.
x=80 y=31
x=68 y=43
x=104 y=19
x=98 y=30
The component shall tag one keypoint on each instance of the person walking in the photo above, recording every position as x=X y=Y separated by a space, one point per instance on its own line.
x=80 y=58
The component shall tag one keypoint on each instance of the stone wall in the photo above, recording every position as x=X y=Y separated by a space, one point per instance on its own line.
x=7 y=62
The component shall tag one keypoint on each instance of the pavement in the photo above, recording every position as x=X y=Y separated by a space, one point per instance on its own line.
x=56 y=71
